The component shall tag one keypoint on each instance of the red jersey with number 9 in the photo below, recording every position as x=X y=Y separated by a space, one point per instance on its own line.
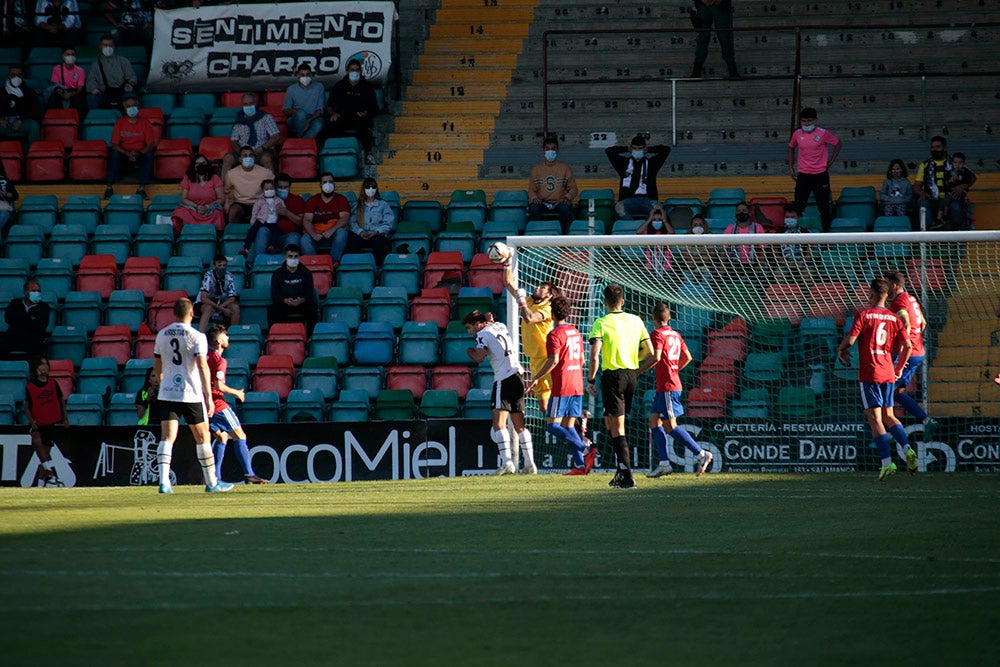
x=879 y=332
x=671 y=346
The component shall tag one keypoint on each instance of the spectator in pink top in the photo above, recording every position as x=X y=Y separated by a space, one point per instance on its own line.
x=202 y=197
x=66 y=85
x=814 y=160
x=746 y=260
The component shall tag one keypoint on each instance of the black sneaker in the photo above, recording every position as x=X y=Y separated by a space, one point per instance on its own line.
x=616 y=480
x=628 y=481
x=253 y=479
x=108 y=192
x=142 y=193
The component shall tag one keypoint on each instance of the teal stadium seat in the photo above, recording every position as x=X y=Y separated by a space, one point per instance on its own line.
x=82 y=210
x=121 y=410
x=56 y=277
x=352 y=405
x=115 y=240
x=320 y=374
x=98 y=375
x=198 y=241
x=14 y=379
x=261 y=407
x=343 y=304
x=367 y=379
x=125 y=210
x=388 y=304
x=81 y=310
x=401 y=270
x=38 y=210
x=26 y=242
x=126 y=307
x=183 y=273
x=134 y=374
x=469 y=205
x=85 y=409
x=305 y=405
x=69 y=243
x=418 y=344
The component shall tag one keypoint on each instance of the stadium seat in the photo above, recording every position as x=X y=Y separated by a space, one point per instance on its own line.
x=319 y=373
x=768 y=212
x=233 y=236
x=343 y=304
x=828 y=300
x=763 y=367
x=357 y=271
x=186 y=125
x=494 y=231
x=125 y=210
x=440 y=404
x=161 y=205
x=99 y=124
x=81 y=310
x=39 y=210
x=245 y=342
x=26 y=242
x=280 y=120
x=322 y=270
x=455 y=378
x=432 y=305
x=126 y=307
x=112 y=240
x=478 y=404
x=752 y=404
x=14 y=379
x=473 y=298
x=458 y=236
x=113 y=341
x=165 y=102
x=68 y=342
x=97 y=273
x=253 y=305
x=374 y=344
x=341 y=156
x=818 y=332
x=203 y=102
x=13 y=272
x=261 y=407
x=364 y=378
x=931 y=273
x=848 y=226
x=88 y=160
x=183 y=273
x=298 y=158
x=604 y=205
x=155 y=241
x=82 y=210
x=121 y=410
x=161 y=308
x=55 y=276
x=288 y=338
x=444 y=267
x=509 y=206
x=718 y=374
x=145 y=340
x=198 y=241
x=63 y=372
x=155 y=117
x=795 y=403
x=98 y=375
x=784 y=301
x=543 y=228
x=85 y=409
x=141 y=274
x=401 y=270
x=484 y=375
x=134 y=374
x=394 y=404
x=582 y=227
x=69 y=243
x=418 y=343
x=12 y=158
x=172 y=159
x=215 y=148
x=331 y=339
x=351 y=405
x=46 y=161
x=274 y=372
x=409 y=378
x=428 y=212
x=705 y=403
x=263 y=268
x=305 y=405
x=454 y=344
x=727 y=344
x=220 y=122
x=388 y=304
x=485 y=273
x=467 y=205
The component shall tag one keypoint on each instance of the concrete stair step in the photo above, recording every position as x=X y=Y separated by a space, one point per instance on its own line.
x=425 y=141
x=460 y=77
x=459 y=106
x=472 y=91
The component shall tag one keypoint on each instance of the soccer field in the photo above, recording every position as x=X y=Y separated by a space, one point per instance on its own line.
x=722 y=570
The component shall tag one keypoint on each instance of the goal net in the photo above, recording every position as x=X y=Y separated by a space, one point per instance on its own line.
x=763 y=315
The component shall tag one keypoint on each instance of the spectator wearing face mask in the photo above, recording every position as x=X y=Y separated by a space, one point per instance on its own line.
x=325 y=221
x=255 y=128
x=20 y=111
x=809 y=161
x=218 y=298
x=658 y=258
x=746 y=259
x=637 y=167
x=263 y=221
x=293 y=297
x=372 y=223
x=304 y=105
x=110 y=77
x=793 y=261
x=203 y=197
x=131 y=144
x=67 y=84
x=352 y=107
x=552 y=187
x=242 y=185
x=27 y=319
x=698 y=260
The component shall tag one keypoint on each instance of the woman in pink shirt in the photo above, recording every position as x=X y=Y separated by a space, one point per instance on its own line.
x=202 y=197
x=66 y=85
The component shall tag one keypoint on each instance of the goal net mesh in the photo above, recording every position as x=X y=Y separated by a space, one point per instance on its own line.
x=763 y=315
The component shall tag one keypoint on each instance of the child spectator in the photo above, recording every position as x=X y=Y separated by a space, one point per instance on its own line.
x=793 y=261
x=658 y=258
x=896 y=196
x=264 y=216
x=956 y=187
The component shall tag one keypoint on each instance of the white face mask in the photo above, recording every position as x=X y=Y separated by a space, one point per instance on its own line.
x=370 y=192
x=657 y=224
x=791 y=223
x=697 y=230
x=108 y=51
x=16 y=81
x=551 y=156
x=808 y=128
x=305 y=81
x=354 y=77
x=69 y=60
x=268 y=193
x=327 y=188
x=292 y=262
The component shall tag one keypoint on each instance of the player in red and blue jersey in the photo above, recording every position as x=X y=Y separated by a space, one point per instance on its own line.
x=564 y=364
x=907 y=307
x=670 y=355
x=880 y=334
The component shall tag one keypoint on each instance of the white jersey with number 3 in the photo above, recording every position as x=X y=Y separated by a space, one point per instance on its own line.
x=178 y=346
x=500 y=349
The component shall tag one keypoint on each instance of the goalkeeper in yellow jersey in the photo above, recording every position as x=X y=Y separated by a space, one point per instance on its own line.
x=536 y=323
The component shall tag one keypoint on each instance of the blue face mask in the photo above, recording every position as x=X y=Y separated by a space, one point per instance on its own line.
x=550 y=156
x=638 y=155
x=247 y=162
x=283 y=193
x=808 y=128
x=354 y=77
x=35 y=297
x=657 y=224
x=132 y=112
x=250 y=110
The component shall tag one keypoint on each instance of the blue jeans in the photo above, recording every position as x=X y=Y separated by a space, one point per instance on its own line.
x=335 y=244
x=634 y=208
x=116 y=160
x=562 y=209
x=263 y=238
x=300 y=126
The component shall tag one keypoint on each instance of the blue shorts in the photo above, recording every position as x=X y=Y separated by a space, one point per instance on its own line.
x=912 y=364
x=877 y=394
x=224 y=422
x=667 y=404
x=565 y=406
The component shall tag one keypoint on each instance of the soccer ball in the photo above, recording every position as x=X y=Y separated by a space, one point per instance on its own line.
x=499 y=252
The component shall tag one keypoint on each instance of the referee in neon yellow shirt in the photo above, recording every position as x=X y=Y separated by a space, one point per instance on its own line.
x=618 y=343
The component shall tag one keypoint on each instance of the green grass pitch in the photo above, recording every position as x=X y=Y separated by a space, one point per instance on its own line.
x=547 y=570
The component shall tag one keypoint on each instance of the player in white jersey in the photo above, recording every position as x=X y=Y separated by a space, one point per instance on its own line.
x=179 y=361
x=494 y=342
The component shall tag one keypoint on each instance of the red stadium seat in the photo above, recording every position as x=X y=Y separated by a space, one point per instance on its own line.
x=936 y=278
x=411 y=378
x=145 y=340
x=705 y=403
x=62 y=371
x=155 y=118
x=97 y=273
x=444 y=266
x=279 y=118
x=172 y=159
x=47 y=161
x=215 y=148
x=62 y=125
x=769 y=212
x=231 y=99
x=143 y=274
x=288 y=338
x=484 y=273
x=12 y=157
x=274 y=98
x=88 y=160
x=322 y=270
x=727 y=344
x=161 y=308
x=828 y=300
x=274 y=372
x=112 y=340
x=433 y=304
x=457 y=378
x=718 y=374
x=784 y=301
x=298 y=158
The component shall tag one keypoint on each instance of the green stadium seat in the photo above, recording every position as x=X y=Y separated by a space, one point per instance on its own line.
x=155 y=241
x=204 y=102
x=357 y=271
x=332 y=340
x=253 y=305
x=795 y=403
x=473 y=298
x=187 y=124
x=454 y=344
x=99 y=124
x=763 y=367
x=161 y=205
x=468 y=205
x=394 y=404
x=582 y=227
x=126 y=307
x=341 y=156
x=233 y=237
x=8 y=410
x=245 y=342
x=440 y=403
x=752 y=404
x=543 y=228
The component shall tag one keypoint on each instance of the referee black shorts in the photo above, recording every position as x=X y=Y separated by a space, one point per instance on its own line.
x=617 y=391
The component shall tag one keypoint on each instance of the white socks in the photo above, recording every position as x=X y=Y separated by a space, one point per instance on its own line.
x=207 y=460
x=502 y=438
x=164 y=453
x=527 y=451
